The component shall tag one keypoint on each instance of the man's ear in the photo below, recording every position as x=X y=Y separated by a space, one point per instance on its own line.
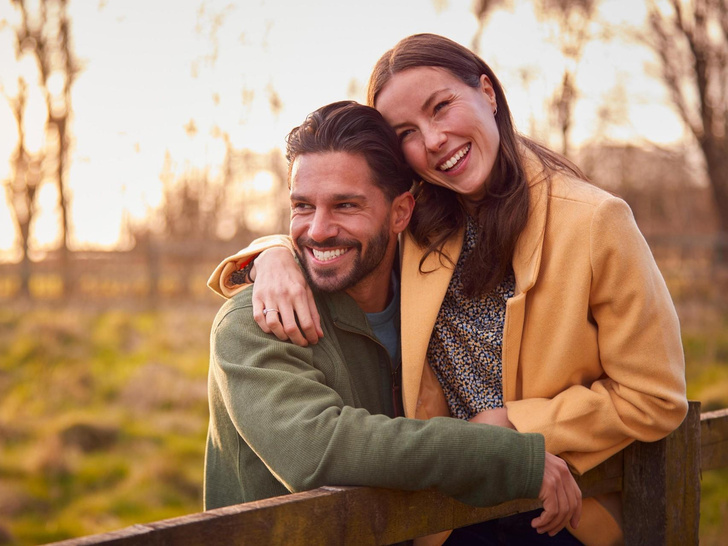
x=402 y=207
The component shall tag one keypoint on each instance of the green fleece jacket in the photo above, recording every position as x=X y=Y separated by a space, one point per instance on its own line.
x=285 y=419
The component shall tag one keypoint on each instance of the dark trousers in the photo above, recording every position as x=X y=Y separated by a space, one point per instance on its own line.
x=512 y=531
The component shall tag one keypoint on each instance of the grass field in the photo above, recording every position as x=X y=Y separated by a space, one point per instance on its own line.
x=103 y=415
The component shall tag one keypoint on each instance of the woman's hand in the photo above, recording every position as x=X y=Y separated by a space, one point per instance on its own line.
x=497 y=416
x=281 y=289
x=561 y=498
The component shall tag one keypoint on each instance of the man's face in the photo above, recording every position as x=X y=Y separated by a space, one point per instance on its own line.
x=340 y=219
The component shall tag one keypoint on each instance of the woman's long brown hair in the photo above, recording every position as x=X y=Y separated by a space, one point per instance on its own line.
x=502 y=213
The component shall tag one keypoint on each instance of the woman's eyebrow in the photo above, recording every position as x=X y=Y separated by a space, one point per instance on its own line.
x=425 y=106
x=428 y=103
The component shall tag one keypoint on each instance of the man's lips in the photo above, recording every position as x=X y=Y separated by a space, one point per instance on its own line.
x=328 y=254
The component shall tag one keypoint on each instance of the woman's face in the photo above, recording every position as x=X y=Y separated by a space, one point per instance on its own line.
x=446 y=128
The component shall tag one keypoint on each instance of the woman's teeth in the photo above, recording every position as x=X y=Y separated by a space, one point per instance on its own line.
x=326 y=255
x=450 y=163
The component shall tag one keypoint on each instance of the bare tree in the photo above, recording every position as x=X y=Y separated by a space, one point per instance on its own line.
x=691 y=41
x=46 y=35
x=481 y=9
x=23 y=184
x=573 y=18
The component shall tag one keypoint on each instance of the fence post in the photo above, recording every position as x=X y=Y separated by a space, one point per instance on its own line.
x=152 y=255
x=661 y=488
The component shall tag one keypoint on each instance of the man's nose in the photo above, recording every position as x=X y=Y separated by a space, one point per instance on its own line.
x=322 y=226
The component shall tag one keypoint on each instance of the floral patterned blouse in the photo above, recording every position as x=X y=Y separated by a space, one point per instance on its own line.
x=467 y=340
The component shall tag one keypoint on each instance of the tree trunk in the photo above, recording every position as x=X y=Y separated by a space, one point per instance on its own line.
x=716 y=160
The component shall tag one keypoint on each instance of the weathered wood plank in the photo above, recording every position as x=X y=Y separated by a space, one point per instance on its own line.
x=661 y=491
x=661 y=488
x=333 y=515
x=714 y=439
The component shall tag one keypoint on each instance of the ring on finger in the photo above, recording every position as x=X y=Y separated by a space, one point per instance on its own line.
x=271 y=310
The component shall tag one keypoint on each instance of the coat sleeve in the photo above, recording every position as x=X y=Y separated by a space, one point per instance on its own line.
x=307 y=437
x=641 y=392
x=219 y=281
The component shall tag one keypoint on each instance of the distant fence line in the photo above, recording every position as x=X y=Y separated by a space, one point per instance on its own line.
x=160 y=272
x=148 y=273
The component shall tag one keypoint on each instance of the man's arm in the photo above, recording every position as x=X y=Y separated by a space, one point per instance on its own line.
x=308 y=437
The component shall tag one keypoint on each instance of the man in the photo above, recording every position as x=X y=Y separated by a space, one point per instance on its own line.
x=285 y=418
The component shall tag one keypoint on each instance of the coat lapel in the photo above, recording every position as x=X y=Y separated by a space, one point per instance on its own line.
x=422 y=295
x=526 y=265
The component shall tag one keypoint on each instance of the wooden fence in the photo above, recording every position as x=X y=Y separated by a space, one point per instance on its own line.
x=167 y=271
x=151 y=274
x=659 y=483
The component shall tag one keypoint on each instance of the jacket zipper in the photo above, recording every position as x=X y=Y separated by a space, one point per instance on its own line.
x=396 y=386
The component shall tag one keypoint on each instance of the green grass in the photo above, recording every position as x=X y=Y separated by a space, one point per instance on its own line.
x=706 y=354
x=103 y=416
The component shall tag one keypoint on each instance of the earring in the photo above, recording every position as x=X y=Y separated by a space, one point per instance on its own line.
x=495 y=111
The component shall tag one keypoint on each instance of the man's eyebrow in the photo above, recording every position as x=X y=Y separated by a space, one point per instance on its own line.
x=335 y=197
x=348 y=196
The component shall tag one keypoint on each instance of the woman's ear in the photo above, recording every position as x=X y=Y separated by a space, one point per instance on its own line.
x=402 y=207
x=487 y=87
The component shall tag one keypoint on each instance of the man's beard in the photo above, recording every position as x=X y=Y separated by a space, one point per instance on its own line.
x=333 y=279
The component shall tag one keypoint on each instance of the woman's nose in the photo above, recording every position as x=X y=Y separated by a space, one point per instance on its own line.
x=434 y=138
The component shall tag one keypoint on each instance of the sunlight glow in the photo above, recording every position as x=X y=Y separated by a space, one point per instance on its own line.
x=246 y=74
x=262 y=182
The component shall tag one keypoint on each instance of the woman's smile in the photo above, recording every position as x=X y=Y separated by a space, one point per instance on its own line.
x=454 y=160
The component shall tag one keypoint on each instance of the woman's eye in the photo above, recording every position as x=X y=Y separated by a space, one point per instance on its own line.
x=404 y=134
x=440 y=105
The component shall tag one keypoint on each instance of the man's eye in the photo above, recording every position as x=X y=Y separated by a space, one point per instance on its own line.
x=300 y=206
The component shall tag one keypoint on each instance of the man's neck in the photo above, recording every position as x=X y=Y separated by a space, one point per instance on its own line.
x=374 y=292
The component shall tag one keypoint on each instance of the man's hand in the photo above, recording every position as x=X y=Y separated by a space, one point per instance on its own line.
x=280 y=287
x=561 y=498
x=497 y=416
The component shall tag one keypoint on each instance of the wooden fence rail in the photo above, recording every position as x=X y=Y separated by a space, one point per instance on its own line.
x=157 y=271
x=660 y=485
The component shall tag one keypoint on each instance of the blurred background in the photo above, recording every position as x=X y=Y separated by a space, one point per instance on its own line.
x=140 y=143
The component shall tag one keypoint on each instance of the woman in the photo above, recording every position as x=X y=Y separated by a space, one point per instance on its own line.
x=529 y=298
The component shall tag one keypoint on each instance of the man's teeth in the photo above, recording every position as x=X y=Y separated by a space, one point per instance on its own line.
x=450 y=163
x=326 y=255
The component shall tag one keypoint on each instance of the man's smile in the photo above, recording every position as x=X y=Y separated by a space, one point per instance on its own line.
x=329 y=254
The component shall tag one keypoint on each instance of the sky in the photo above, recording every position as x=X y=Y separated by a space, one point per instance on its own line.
x=152 y=70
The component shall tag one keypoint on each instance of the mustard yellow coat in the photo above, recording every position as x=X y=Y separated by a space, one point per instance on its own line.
x=592 y=356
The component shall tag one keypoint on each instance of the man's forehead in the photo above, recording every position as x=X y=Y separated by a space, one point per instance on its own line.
x=336 y=174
